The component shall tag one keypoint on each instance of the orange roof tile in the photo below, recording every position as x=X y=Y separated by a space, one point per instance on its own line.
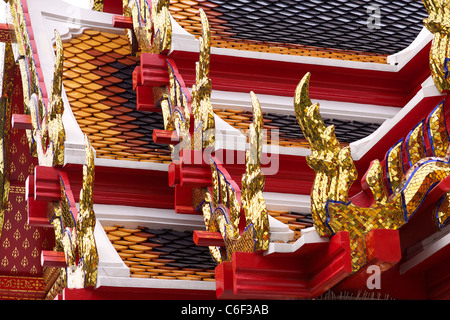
x=104 y=104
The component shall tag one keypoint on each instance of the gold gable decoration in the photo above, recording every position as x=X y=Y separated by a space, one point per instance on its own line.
x=75 y=235
x=335 y=172
x=222 y=208
x=152 y=29
x=46 y=139
x=5 y=127
x=438 y=23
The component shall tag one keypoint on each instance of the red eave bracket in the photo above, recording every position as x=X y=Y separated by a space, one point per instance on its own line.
x=54 y=259
x=36 y=210
x=165 y=137
x=308 y=272
x=122 y=22
x=186 y=174
x=208 y=238
x=21 y=121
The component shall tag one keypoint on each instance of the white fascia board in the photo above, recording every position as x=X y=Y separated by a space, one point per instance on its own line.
x=130 y=217
x=110 y=264
x=401 y=58
x=285 y=105
x=360 y=147
x=290 y=202
x=184 y=41
x=309 y=235
x=128 y=282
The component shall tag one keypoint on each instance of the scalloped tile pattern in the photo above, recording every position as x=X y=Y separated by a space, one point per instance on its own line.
x=97 y=78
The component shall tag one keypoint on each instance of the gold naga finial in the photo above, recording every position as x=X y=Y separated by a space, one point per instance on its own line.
x=438 y=23
x=50 y=125
x=47 y=137
x=74 y=229
x=152 y=28
x=201 y=92
x=223 y=208
x=331 y=208
x=176 y=110
x=334 y=167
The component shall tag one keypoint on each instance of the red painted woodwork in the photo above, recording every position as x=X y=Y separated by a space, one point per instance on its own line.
x=113 y=6
x=36 y=210
x=122 y=22
x=383 y=251
x=130 y=293
x=124 y=186
x=310 y=271
x=224 y=281
x=7 y=33
x=194 y=171
x=153 y=69
x=46 y=184
x=207 y=238
x=165 y=137
x=145 y=99
x=21 y=121
x=231 y=73
x=54 y=259
x=22 y=287
x=151 y=73
x=183 y=200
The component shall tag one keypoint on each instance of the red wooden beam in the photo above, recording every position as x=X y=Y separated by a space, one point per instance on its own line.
x=153 y=69
x=327 y=83
x=21 y=121
x=36 y=210
x=383 y=251
x=124 y=186
x=122 y=22
x=46 y=184
x=7 y=33
x=54 y=259
x=207 y=238
x=165 y=137
x=113 y=6
x=191 y=171
x=309 y=272
x=224 y=281
x=145 y=99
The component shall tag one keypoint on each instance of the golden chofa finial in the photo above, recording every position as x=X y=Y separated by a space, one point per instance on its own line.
x=438 y=23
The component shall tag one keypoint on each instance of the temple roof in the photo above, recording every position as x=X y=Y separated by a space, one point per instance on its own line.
x=351 y=30
x=97 y=78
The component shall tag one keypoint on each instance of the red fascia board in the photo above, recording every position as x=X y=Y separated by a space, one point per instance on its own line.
x=240 y=74
x=113 y=6
x=125 y=186
x=136 y=293
x=306 y=273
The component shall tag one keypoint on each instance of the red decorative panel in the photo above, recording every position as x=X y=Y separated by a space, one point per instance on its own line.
x=21 y=244
x=21 y=288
